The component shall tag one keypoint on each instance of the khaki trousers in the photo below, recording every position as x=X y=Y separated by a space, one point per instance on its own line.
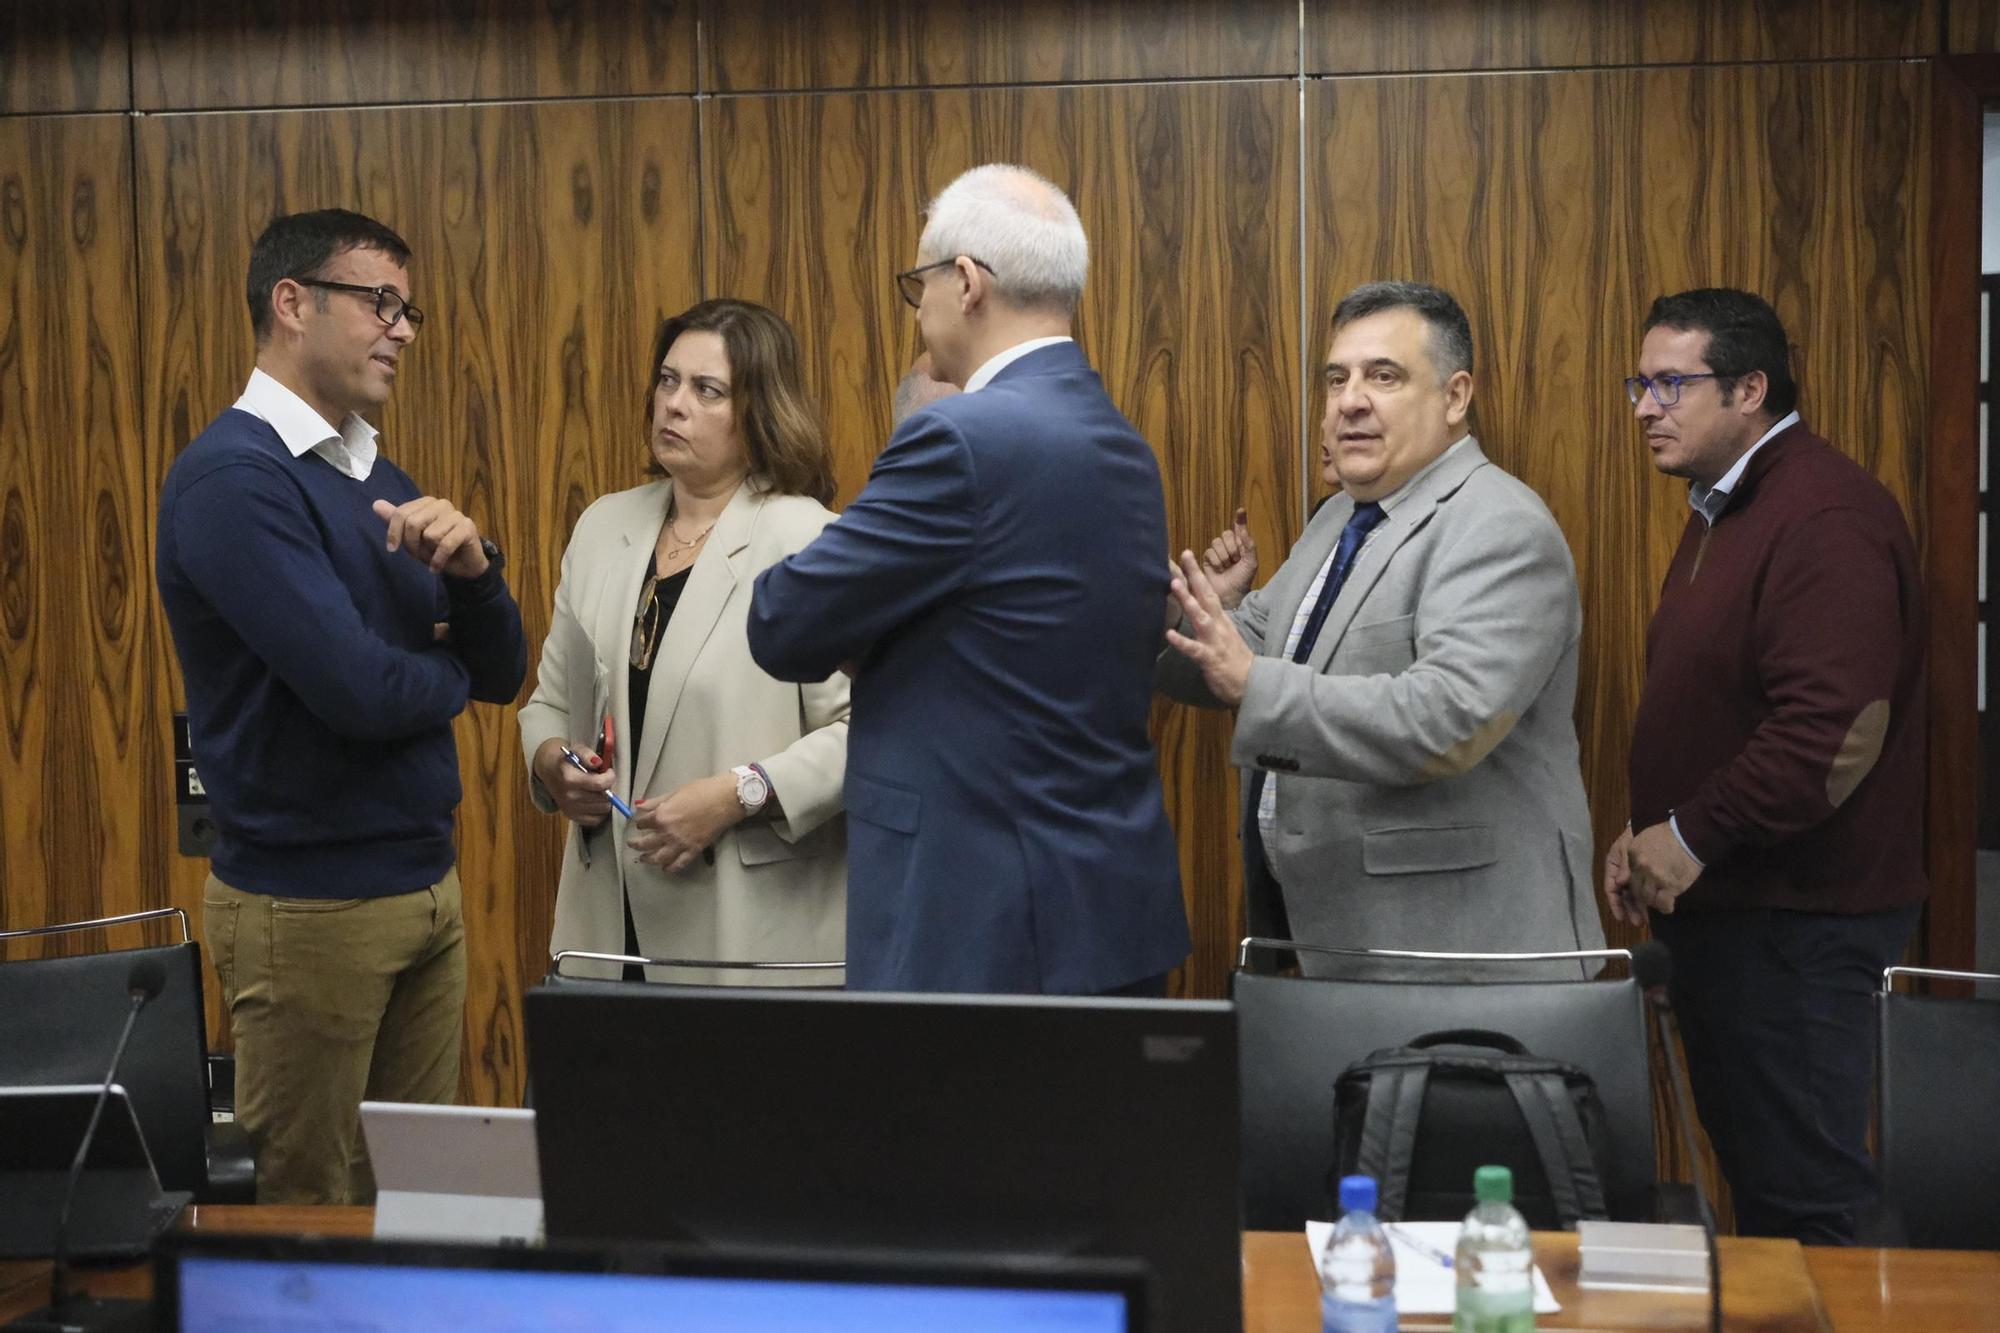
x=332 y=1001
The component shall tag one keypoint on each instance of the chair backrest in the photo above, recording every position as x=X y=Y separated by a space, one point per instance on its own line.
x=1938 y=1072
x=1296 y=1034
x=59 y=1022
x=589 y=966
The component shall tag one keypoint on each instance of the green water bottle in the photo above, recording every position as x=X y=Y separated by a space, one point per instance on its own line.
x=1495 y=1262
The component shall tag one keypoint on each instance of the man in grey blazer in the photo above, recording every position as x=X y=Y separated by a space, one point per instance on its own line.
x=1405 y=681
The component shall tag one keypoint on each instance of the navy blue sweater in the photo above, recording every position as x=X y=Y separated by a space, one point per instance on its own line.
x=319 y=697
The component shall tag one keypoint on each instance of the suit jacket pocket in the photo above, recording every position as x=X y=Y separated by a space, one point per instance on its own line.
x=884 y=803
x=760 y=845
x=1427 y=851
x=1382 y=648
x=1380 y=631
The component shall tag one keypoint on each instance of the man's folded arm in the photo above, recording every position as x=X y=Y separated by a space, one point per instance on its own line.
x=486 y=634
x=289 y=606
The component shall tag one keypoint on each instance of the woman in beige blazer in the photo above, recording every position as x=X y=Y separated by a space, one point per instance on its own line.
x=736 y=849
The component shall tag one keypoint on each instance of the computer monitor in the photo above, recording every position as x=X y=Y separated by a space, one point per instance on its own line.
x=956 y=1124
x=117 y=1208
x=227 y=1282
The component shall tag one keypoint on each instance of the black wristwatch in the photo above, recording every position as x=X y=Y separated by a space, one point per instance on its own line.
x=496 y=559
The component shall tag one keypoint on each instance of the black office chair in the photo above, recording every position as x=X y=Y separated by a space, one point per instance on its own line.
x=1937 y=1084
x=1295 y=1035
x=59 y=1021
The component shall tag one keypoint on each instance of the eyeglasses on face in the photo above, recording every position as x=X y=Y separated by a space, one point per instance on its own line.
x=910 y=282
x=389 y=305
x=1666 y=389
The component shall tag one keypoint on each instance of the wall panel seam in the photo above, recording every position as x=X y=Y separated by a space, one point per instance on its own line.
x=1305 y=396
x=1333 y=76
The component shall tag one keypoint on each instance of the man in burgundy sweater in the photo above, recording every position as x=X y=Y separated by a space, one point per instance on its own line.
x=1777 y=763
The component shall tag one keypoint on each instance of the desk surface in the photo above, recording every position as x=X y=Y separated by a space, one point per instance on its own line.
x=1768 y=1285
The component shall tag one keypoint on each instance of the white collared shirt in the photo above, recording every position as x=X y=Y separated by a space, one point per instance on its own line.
x=984 y=375
x=1267 y=800
x=1710 y=501
x=351 y=449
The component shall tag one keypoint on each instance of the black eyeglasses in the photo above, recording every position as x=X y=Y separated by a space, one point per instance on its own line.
x=389 y=305
x=1666 y=389
x=910 y=282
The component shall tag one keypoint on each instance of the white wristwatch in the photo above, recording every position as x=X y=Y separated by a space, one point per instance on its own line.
x=752 y=788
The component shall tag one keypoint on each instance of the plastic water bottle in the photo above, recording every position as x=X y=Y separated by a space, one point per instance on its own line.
x=1357 y=1273
x=1495 y=1262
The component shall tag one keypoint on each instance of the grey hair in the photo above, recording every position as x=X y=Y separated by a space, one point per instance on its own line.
x=1019 y=224
x=1451 y=332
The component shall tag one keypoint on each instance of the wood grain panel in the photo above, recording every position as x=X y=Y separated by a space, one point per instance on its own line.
x=1952 y=574
x=66 y=57
x=1527 y=196
x=251 y=53
x=85 y=741
x=1390 y=36
x=769 y=44
x=549 y=240
x=1189 y=198
x=1972 y=27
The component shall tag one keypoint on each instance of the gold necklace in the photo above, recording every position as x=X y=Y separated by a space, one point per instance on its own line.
x=675 y=537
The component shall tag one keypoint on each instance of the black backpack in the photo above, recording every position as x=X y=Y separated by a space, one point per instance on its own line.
x=1420 y=1118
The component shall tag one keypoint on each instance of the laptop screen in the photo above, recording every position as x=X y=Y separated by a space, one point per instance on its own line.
x=231 y=1292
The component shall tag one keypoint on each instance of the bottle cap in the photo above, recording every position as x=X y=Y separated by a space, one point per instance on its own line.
x=1357 y=1194
x=1493 y=1184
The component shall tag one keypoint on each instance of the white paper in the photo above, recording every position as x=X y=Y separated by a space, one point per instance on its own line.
x=1423 y=1285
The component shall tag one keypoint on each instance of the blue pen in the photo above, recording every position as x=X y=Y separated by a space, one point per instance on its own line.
x=575 y=761
x=1428 y=1251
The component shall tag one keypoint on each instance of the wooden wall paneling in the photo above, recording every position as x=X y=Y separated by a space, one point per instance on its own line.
x=1952 y=475
x=85 y=745
x=67 y=57
x=250 y=53
x=548 y=242
x=1972 y=27
x=761 y=44
x=1556 y=206
x=1189 y=196
x=1386 y=36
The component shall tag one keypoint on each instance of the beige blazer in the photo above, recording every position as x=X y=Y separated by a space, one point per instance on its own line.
x=774 y=890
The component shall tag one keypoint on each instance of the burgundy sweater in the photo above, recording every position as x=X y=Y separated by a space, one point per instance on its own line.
x=1782 y=721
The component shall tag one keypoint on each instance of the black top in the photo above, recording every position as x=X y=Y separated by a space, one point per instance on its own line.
x=667 y=595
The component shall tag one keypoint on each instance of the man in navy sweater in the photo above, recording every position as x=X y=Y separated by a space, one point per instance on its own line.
x=1776 y=840
x=331 y=621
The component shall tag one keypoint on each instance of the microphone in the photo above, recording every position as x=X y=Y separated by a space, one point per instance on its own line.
x=1653 y=969
x=76 y=1312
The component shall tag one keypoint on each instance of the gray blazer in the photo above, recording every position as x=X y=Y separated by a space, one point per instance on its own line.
x=1424 y=756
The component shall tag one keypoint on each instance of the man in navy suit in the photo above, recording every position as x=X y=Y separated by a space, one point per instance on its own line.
x=995 y=591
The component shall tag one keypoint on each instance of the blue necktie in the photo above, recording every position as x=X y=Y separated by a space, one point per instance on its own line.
x=1366 y=516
